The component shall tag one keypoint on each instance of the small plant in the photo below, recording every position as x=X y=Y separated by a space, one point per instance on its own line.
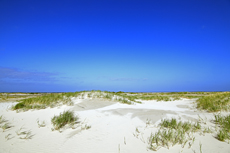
x=148 y=122
x=6 y=126
x=7 y=137
x=136 y=133
x=222 y=135
x=42 y=124
x=191 y=143
x=201 y=120
x=207 y=130
x=27 y=135
x=67 y=117
x=197 y=126
x=85 y=127
x=200 y=147
x=24 y=134
x=19 y=132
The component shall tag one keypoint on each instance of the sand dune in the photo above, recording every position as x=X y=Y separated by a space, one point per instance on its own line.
x=113 y=128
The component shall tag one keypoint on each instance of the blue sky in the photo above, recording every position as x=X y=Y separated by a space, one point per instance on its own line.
x=114 y=45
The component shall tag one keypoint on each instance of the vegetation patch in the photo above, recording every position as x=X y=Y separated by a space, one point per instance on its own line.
x=163 y=96
x=19 y=105
x=48 y=100
x=67 y=117
x=4 y=124
x=211 y=101
x=14 y=96
x=172 y=132
x=214 y=102
x=24 y=134
x=224 y=123
x=186 y=126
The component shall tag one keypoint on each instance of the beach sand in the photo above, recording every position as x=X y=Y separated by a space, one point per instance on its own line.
x=113 y=128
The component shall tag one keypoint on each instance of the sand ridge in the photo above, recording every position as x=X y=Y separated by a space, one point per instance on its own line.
x=113 y=128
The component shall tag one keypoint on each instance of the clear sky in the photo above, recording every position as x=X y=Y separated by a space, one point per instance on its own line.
x=114 y=45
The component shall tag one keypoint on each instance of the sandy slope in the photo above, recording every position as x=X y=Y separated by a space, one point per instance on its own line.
x=113 y=128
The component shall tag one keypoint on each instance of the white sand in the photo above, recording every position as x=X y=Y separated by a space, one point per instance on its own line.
x=113 y=128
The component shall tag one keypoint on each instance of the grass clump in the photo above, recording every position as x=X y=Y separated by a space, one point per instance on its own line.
x=26 y=135
x=173 y=132
x=214 y=102
x=19 y=105
x=42 y=124
x=224 y=123
x=4 y=124
x=185 y=126
x=47 y=100
x=67 y=117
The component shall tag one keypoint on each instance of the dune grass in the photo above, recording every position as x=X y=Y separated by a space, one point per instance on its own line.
x=215 y=102
x=48 y=100
x=67 y=117
x=172 y=132
x=41 y=124
x=186 y=126
x=4 y=124
x=163 y=96
x=15 y=96
x=224 y=123
x=24 y=134
x=53 y=99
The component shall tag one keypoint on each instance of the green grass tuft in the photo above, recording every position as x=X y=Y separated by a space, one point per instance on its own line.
x=173 y=132
x=224 y=122
x=67 y=117
x=48 y=100
x=19 y=106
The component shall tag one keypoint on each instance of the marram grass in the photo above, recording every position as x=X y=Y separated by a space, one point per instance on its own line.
x=224 y=123
x=215 y=102
x=173 y=132
x=48 y=100
x=211 y=101
x=67 y=117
